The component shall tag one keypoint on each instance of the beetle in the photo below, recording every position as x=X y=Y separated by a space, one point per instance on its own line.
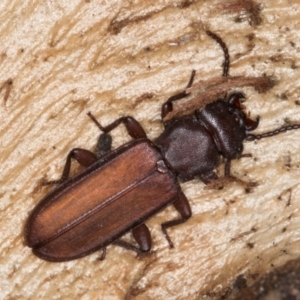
x=120 y=189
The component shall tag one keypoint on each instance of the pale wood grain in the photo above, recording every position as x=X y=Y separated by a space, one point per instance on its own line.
x=119 y=58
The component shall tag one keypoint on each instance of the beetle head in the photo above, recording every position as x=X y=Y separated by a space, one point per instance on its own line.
x=228 y=124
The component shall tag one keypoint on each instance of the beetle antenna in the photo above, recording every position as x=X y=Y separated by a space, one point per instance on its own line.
x=252 y=137
x=95 y=121
x=225 y=50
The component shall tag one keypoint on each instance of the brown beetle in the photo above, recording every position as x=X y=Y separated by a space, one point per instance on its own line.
x=120 y=189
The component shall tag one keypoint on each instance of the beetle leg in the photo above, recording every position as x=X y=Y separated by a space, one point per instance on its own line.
x=227 y=167
x=167 y=107
x=142 y=235
x=183 y=207
x=82 y=156
x=127 y=246
x=102 y=257
x=133 y=127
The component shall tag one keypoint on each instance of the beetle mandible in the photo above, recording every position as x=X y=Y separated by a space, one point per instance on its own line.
x=120 y=189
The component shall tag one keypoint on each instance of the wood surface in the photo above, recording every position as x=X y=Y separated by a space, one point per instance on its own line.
x=61 y=59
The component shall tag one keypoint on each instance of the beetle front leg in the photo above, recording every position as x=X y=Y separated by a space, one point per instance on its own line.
x=82 y=156
x=167 y=107
x=183 y=207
